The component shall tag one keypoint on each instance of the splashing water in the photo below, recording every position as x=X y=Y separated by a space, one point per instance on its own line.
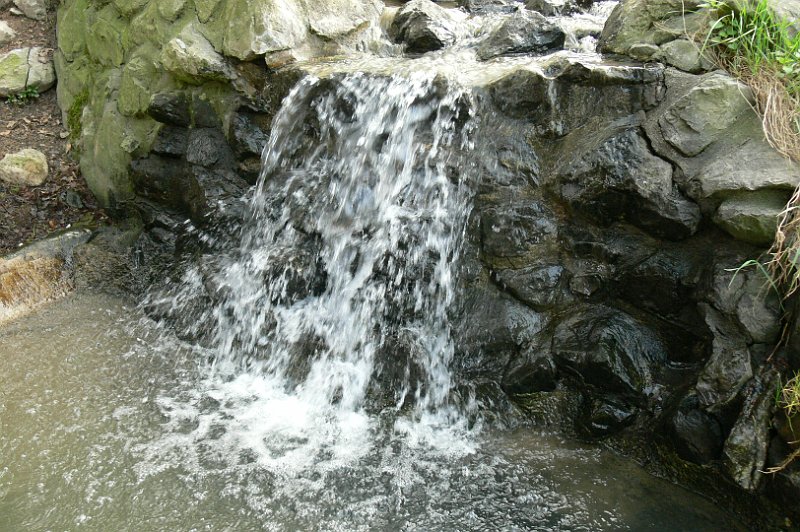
x=328 y=320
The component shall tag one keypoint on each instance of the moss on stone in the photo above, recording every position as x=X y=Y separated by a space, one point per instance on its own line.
x=104 y=40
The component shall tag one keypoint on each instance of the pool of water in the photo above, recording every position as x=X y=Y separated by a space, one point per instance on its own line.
x=90 y=440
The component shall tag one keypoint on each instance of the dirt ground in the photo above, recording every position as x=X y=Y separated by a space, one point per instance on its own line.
x=30 y=213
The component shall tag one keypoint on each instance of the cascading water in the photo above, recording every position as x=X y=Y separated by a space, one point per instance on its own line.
x=330 y=314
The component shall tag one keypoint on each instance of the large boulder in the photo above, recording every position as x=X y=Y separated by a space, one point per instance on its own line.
x=26 y=167
x=191 y=58
x=26 y=68
x=35 y=9
x=525 y=32
x=423 y=26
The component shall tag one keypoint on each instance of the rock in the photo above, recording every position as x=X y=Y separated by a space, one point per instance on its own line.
x=248 y=139
x=643 y=51
x=609 y=350
x=537 y=286
x=171 y=108
x=684 y=55
x=703 y=115
x=27 y=167
x=26 y=68
x=533 y=372
x=638 y=22
x=623 y=180
x=205 y=146
x=423 y=26
x=522 y=33
x=697 y=435
x=745 y=449
x=6 y=33
x=489 y=6
x=35 y=9
x=191 y=58
x=752 y=217
x=550 y=8
x=171 y=141
x=753 y=165
x=606 y=415
x=728 y=368
x=514 y=230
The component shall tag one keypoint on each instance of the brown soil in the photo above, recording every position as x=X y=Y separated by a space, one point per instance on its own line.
x=30 y=213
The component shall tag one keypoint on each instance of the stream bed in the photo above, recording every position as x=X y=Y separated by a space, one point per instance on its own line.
x=91 y=441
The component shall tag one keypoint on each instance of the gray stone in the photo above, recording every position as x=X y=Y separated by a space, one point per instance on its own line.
x=623 y=180
x=525 y=32
x=752 y=217
x=746 y=298
x=6 y=33
x=536 y=286
x=26 y=67
x=191 y=58
x=704 y=114
x=643 y=51
x=26 y=167
x=683 y=54
x=697 y=435
x=423 y=26
x=551 y=8
x=35 y=9
x=754 y=165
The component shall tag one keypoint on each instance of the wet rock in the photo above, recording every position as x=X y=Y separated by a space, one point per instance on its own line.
x=423 y=26
x=551 y=8
x=191 y=58
x=537 y=286
x=704 y=114
x=162 y=179
x=623 y=180
x=514 y=230
x=696 y=434
x=494 y=331
x=609 y=350
x=6 y=33
x=26 y=68
x=171 y=141
x=525 y=32
x=606 y=415
x=34 y=9
x=534 y=371
x=27 y=167
x=745 y=449
x=728 y=369
x=248 y=138
x=489 y=6
x=752 y=217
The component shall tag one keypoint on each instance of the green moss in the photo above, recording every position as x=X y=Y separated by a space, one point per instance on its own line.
x=75 y=113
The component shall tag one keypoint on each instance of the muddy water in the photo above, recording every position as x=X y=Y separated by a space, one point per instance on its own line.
x=89 y=441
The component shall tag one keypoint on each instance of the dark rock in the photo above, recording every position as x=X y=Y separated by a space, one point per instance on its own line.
x=551 y=8
x=534 y=372
x=609 y=350
x=494 y=331
x=745 y=449
x=171 y=141
x=606 y=415
x=171 y=108
x=515 y=229
x=521 y=94
x=161 y=179
x=248 y=138
x=623 y=180
x=205 y=146
x=728 y=368
x=520 y=33
x=537 y=286
x=423 y=26
x=203 y=115
x=696 y=434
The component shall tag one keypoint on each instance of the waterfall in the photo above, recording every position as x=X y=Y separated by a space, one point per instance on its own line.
x=327 y=312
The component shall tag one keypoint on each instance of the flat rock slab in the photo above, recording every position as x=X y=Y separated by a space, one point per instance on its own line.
x=26 y=68
x=26 y=167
